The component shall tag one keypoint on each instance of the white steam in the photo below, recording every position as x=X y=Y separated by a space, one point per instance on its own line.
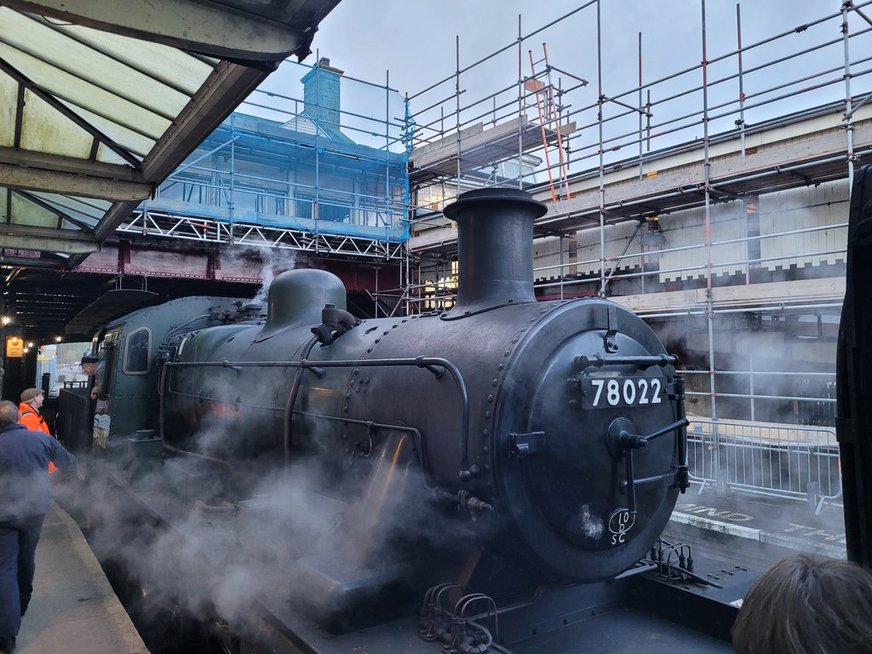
x=220 y=556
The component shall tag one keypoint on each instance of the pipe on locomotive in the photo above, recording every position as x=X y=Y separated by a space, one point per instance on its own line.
x=495 y=255
x=431 y=364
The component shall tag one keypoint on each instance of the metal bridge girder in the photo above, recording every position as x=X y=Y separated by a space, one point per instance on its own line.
x=163 y=225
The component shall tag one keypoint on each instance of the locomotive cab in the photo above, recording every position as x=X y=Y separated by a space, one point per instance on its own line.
x=130 y=355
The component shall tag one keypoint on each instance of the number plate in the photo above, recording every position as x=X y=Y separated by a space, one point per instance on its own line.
x=616 y=392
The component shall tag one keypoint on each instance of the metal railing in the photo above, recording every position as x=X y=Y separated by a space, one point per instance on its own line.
x=788 y=461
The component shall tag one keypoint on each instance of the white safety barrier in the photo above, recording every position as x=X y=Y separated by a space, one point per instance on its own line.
x=792 y=461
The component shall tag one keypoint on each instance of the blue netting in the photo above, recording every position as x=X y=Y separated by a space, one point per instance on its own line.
x=310 y=150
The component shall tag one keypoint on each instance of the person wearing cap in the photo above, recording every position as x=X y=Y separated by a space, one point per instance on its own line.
x=31 y=403
x=25 y=493
x=90 y=366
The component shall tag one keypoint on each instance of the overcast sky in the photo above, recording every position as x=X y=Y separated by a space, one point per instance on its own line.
x=415 y=39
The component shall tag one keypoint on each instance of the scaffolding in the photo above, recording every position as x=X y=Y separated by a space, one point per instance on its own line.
x=740 y=161
x=314 y=161
x=674 y=194
x=547 y=99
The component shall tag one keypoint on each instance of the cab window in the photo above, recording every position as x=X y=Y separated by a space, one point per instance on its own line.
x=137 y=347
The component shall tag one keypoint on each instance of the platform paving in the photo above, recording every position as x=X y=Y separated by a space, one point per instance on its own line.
x=74 y=609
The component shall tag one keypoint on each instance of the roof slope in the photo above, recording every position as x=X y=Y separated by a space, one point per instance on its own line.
x=100 y=101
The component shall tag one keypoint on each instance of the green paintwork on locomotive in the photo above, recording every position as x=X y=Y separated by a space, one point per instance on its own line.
x=238 y=411
x=129 y=401
x=132 y=403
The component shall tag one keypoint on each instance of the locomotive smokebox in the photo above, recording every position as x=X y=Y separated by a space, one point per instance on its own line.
x=495 y=248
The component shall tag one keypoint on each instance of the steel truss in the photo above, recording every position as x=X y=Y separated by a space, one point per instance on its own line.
x=205 y=230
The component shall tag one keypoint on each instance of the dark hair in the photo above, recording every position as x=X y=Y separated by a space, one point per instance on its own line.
x=807 y=605
x=8 y=413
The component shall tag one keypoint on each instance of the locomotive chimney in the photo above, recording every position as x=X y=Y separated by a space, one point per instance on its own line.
x=495 y=248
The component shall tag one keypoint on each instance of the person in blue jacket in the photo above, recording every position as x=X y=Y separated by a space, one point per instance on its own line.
x=25 y=493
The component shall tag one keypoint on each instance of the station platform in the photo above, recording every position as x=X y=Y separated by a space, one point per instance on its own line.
x=74 y=609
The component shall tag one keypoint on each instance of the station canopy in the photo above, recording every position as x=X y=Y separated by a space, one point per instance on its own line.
x=100 y=101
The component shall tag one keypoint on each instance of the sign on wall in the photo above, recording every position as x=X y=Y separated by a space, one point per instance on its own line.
x=14 y=347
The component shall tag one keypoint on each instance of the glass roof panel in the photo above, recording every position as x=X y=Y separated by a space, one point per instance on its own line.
x=8 y=107
x=168 y=65
x=133 y=141
x=66 y=224
x=87 y=210
x=25 y=212
x=39 y=39
x=45 y=129
x=107 y=155
x=83 y=93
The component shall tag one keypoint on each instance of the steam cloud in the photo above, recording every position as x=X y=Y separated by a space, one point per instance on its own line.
x=273 y=261
x=219 y=556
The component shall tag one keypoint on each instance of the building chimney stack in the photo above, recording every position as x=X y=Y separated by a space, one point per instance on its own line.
x=321 y=94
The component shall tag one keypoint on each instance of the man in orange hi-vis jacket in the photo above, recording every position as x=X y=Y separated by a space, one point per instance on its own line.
x=31 y=402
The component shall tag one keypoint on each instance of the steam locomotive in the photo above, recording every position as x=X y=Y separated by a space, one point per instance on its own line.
x=513 y=456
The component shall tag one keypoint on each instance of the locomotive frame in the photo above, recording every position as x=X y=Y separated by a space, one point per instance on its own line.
x=548 y=456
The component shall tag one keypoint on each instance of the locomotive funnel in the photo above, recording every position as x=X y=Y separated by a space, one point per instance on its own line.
x=495 y=243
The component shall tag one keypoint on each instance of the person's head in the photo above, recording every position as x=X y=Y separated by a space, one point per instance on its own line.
x=8 y=413
x=89 y=364
x=807 y=605
x=34 y=397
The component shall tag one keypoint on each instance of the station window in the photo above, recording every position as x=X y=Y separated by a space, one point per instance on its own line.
x=137 y=347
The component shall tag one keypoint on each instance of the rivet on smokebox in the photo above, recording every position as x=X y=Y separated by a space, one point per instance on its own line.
x=490 y=398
